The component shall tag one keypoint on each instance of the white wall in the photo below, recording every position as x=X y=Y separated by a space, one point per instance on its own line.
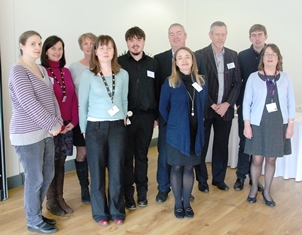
x=70 y=18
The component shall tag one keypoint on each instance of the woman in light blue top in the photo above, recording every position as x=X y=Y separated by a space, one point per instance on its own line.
x=86 y=41
x=103 y=107
x=268 y=114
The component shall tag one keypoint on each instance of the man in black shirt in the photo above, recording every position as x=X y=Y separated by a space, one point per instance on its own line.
x=248 y=61
x=142 y=115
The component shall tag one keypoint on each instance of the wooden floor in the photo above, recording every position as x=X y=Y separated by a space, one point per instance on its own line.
x=216 y=212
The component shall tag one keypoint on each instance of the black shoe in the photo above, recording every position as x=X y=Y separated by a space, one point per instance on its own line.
x=252 y=199
x=130 y=203
x=189 y=212
x=267 y=202
x=142 y=201
x=221 y=185
x=179 y=213
x=239 y=184
x=43 y=227
x=49 y=221
x=260 y=186
x=161 y=197
x=192 y=198
x=203 y=187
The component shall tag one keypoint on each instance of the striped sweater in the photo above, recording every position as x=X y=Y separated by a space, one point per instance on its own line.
x=34 y=107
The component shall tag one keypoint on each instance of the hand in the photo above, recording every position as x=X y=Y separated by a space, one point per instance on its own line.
x=289 y=131
x=155 y=123
x=214 y=107
x=56 y=132
x=67 y=128
x=248 y=132
x=222 y=108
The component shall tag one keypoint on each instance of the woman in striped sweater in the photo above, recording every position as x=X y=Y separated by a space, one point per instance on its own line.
x=36 y=118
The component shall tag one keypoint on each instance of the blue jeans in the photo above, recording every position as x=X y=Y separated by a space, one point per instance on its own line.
x=163 y=168
x=38 y=162
x=105 y=146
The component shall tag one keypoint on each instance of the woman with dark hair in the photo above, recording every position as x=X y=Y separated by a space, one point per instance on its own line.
x=35 y=120
x=103 y=107
x=53 y=59
x=86 y=41
x=268 y=114
x=182 y=104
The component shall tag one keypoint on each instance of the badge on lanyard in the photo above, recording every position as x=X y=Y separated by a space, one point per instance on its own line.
x=271 y=86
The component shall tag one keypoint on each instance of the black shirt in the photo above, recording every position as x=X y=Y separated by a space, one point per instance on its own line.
x=142 y=82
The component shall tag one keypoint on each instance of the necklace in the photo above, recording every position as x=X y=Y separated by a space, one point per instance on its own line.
x=192 y=101
x=62 y=85
x=111 y=95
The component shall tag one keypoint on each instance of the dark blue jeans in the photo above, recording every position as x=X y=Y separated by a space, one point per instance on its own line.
x=163 y=168
x=105 y=146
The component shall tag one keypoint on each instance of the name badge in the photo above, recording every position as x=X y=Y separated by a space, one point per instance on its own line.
x=231 y=65
x=150 y=74
x=272 y=107
x=113 y=110
x=197 y=87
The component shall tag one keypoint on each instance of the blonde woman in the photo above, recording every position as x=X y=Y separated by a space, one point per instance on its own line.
x=182 y=103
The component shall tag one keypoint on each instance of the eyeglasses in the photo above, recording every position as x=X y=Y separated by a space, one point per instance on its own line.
x=270 y=54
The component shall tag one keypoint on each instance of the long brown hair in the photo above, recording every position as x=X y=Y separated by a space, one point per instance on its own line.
x=95 y=66
x=174 y=79
x=279 y=66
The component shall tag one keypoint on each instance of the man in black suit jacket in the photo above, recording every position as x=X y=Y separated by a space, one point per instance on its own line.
x=224 y=81
x=177 y=37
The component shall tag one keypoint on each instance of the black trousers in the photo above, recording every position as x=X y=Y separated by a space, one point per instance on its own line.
x=139 y=134
x=105 y=144
x=243 y=165
x=220 y=150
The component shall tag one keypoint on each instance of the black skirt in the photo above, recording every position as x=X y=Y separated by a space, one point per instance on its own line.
x=78 y=138
x=176 y=158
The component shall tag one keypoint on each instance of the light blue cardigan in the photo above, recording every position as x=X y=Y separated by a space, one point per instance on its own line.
x=255 y=96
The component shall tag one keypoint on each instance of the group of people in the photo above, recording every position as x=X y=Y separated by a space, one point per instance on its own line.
x=108 y=105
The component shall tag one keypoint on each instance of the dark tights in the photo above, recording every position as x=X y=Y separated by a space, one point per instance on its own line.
x=182 y=180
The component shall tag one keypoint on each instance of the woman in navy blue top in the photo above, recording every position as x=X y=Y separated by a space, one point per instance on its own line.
x=182 y=102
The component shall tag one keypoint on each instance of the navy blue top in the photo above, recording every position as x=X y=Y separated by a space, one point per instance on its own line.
x=248 y=60
x=174 y=106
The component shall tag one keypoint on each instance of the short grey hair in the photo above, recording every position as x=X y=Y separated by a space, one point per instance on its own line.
x=177 y=24
x=219 y=24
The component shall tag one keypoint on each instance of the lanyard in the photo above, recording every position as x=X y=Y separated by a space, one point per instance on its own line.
x=62 y=85
x=111 y=95
x=271 y=87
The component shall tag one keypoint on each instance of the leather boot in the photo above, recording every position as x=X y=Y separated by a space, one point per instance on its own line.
x=82 y=172
x=60 y=182
x=52 y=203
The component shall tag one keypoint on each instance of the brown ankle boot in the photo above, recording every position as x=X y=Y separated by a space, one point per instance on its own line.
x=52 y=204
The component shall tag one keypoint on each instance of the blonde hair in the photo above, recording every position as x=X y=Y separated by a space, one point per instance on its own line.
x=174 y=79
